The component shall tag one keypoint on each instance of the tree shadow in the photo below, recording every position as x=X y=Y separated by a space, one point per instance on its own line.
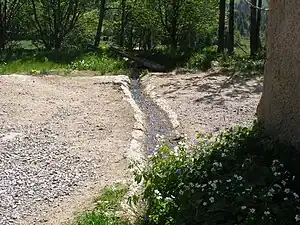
x=214 y=87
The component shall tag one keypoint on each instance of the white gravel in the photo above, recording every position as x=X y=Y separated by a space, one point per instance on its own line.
x=61 y=141
x=205 y=102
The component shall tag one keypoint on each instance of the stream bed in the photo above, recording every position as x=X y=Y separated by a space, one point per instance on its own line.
x=157 y=120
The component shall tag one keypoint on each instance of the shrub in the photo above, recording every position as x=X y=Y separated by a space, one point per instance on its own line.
x=244 y=65
x=237 y=177
x=203 y=60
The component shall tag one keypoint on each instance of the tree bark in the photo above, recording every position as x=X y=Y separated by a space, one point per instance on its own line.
x=221 y=35
x=2 y=37
x=279 y=108
x=231 y=28
x=100 y=23
x=258 y=23
x=123 y=8
x=253 y=28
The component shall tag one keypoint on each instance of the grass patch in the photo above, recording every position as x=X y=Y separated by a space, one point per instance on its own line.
x=30 y=67
x=238 y=177
x=107 y=204
x=41 y=62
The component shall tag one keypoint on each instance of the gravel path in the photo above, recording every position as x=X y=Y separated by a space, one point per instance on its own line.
x=61 y=141
x=206 y=102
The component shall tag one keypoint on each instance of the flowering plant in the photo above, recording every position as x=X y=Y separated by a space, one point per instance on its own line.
x=237 y=177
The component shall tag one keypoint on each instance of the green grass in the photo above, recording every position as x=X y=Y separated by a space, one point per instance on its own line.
x=30 y=67
x=24 y=61
x=99 y=218
x=107 y=204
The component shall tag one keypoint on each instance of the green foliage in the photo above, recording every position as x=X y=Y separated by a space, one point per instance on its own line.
x=100 y=63
x=106 y=206
x=42 y=62
x=84 y=32
x=203 y=60
x=238 y=177
x=243 y=65
x=98 y=218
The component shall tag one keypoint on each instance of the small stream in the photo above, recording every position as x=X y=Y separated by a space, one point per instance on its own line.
x=157 y=120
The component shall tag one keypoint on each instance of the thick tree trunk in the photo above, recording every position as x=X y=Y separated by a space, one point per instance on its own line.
x=253 y=26
x=279 y=108
x=221 y=26
x=100 y=23
x=231 y=28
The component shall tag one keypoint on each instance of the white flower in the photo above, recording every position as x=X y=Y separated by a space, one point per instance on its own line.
x=197 y=185
x=287 y=190
x=285 y=199
x=159 y=197
x=267 y=213
x=228 y=181
x=277 y=185
x=249 y=189
x=272 y=190
x=214 y=186
x=297 y=218
x=181 y=192
x=223 y=155
x=295 y=195
x=211 y=199
x=157 y=192
x=244 y=207
x=204 y=203
x=252 y=210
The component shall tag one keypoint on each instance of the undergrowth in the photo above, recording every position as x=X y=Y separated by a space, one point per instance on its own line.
x=106 y=206
x=41 y=62
x=238 y=177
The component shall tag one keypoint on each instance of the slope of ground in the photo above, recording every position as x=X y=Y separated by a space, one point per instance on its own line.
x=61 y=141
x=206 y=102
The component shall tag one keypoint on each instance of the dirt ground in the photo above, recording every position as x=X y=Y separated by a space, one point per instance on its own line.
x=205 y=102
x=61 y=141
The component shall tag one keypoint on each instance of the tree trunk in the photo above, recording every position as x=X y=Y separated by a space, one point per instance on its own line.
x=221 y=26
x=2 y=38
x=231 y=28
x=57 y=43
x=100 y=23
x=253 y=28
x=123 y=6
x=279 y=108
x=258 y=23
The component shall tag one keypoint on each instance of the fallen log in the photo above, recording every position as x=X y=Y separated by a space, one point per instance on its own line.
x=155 y=67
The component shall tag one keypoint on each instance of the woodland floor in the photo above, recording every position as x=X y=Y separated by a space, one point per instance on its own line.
x=62 y=139
x=207 y=102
